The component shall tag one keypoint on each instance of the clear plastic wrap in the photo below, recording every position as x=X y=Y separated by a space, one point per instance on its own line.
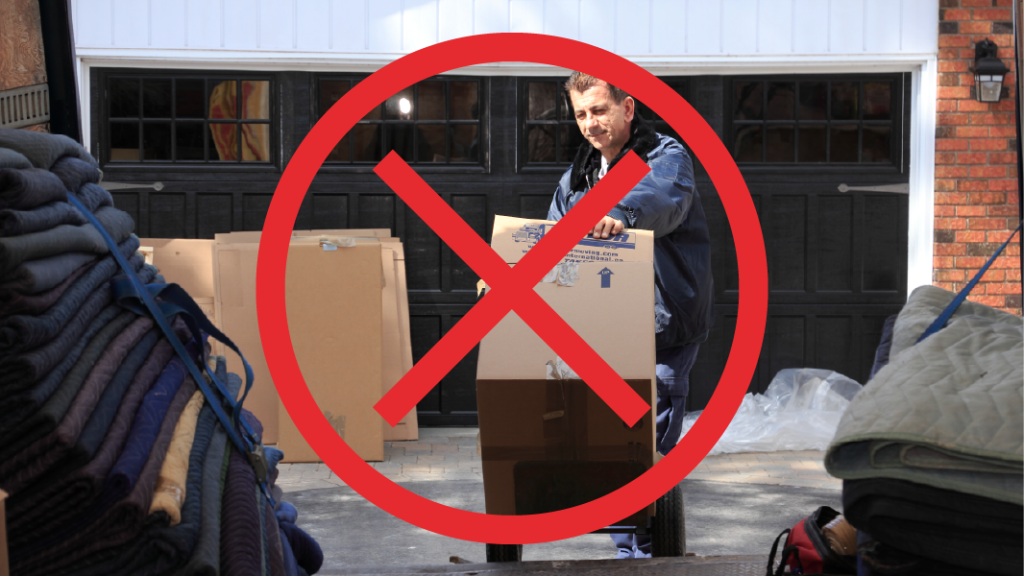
x=800 y=410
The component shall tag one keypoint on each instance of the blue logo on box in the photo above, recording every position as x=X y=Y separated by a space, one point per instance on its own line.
x=532 y=233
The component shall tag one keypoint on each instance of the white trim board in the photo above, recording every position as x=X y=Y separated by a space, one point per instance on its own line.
x=923 y=69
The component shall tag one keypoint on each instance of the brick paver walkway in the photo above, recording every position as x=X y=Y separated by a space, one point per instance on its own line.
x=450 y=454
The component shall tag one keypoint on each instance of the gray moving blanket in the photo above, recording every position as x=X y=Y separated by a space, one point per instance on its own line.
x=947 y=412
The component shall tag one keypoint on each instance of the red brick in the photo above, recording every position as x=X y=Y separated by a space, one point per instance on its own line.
x=949 y=79
x=949 y=54
x=970 y=262
x=972 y=132
x=994 y=276
x=953 y=92
x=945 y=185
x=1002 y=132
x=1005 y=2
x=1003 y=158
x=975 y=27
x=950 y=250
x=945 y=158
x=999 y=39
x=972 y=185
x=993 y=301
x=965 y=236
x=954 y=41
x=1005 y=262
x=956 y=15
x=1001 y=184
x=971 y=158
x=986 y=223
x=939 y=262
x=1013 y=275
x=954 y=65
x=947 y=286
x=950 y=198
x=988 y=144
x=988 y=197
x=1005 y=105
x=951 y=224
x=946 y=105
x=946 y=211
x=1012 y=250
x=949 y=275
x=1003 y=53
x=951 y=143
x=970 y=211
x=988 y=171
x=951 y=171
x=972 y=106
x=1008 y=210
x=990 y=119
x=967 y=54
x=1003 y=288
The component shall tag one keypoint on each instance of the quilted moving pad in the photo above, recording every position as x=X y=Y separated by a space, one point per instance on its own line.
x=948 y=412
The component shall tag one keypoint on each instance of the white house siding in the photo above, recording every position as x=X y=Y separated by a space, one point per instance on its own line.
x=670 y=37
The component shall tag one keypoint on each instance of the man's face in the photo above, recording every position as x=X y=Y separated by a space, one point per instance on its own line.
x=603 y=122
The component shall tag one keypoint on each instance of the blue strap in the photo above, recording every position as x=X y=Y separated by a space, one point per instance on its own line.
x=134 y=292
x=940 y=322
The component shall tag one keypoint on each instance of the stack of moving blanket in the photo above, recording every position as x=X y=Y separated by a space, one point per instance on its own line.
x=930 y=451
x=114 y=459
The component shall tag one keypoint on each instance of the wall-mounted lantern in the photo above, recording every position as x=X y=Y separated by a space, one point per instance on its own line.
x=989 y=71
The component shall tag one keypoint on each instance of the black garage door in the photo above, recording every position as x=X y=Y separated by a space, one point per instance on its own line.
x=217 y=141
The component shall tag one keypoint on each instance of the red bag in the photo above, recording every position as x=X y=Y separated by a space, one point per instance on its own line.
x=806 y=552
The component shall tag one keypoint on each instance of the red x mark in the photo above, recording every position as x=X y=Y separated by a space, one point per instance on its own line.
x=511 y=289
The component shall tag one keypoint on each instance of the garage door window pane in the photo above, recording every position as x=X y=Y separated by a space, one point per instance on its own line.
x=781 y=100
x=465 y=101
x=541 y=143
x=843 y=142
x=812 y=144
x=156 y=141
x=124 y=141
x=256 y=100
x=876 y=144
x=779 y=144
x=748 y=144
x=188 y=99
x=400 y=139
x=813 y=100
x=749 y=100
x=156 y=98
x=431 y=101
x=431 y=147
x=224 y=100
x=255 y=142
x=124 y=98
x=366 y=143
x=877 y=100
x=465 y=143
x=540 y=101
x=844 y=100
x=223 y=142
x=571 y=138
x=399 y=106
x=189 y=140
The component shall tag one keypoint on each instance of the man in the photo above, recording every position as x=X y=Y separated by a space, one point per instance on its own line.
x=665 y=202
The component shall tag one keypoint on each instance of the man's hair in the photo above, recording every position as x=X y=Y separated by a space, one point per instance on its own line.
x=580 y=82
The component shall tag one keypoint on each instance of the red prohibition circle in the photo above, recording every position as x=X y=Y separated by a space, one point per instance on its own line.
x=273 y=321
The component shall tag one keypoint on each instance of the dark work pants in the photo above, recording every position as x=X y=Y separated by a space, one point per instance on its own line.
x=673 y=372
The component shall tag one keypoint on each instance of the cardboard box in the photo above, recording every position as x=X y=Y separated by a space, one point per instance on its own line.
x=334 y=304
x=397 y=342
x=4 y=562
x=550 y=444
x=186 y=262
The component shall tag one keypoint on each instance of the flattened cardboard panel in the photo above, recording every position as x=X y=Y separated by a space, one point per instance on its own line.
x=335 y=320
x=513 y=237
x=391 y=337
x=186 y=262
x=235 y=312
x=512 y=350
x=410 y=421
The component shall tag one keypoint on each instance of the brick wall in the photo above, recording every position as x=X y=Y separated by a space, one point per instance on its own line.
x=976 y=202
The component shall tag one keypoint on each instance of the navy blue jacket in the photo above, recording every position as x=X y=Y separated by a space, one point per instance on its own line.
x=666 y=202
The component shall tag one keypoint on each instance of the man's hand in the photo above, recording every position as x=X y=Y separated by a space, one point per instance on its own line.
x=608 y=226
